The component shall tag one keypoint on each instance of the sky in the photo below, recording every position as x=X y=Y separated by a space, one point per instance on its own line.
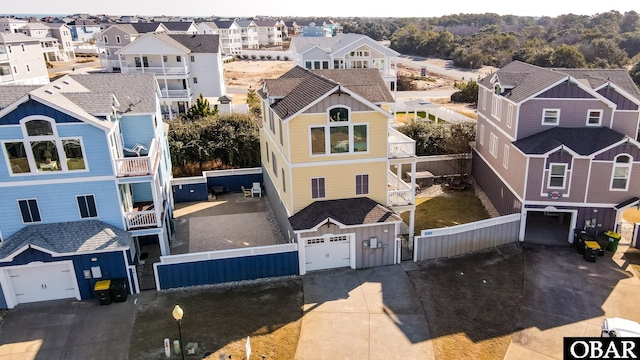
x=349 y=8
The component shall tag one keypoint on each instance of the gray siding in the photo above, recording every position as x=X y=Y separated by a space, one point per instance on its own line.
x=605 y=217
x=503 y=114
x=499 y=194
x=335 y=99
x=566 y=90
x=601 y=180
x=626 y=123
x=573 y=113
x=278 y=208
x=610 y=154
x=622 y=102
x=365 y=257
x=438 y=165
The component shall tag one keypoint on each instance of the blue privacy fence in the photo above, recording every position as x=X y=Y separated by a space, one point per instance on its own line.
x=197 y=188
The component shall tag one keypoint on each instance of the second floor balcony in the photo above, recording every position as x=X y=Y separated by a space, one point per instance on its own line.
x=400 y=145
x=175 y=94
x=161 y=70
x=142 y=165
x=398 y=192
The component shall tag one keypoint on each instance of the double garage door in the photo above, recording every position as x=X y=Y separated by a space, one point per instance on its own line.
x=48 y=281
x=327 y=252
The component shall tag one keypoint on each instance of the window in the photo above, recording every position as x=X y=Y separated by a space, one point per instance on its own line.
x=28 y=67
x=280 y=132
x=179 y=58
x=317 y=141
x=195 y=80
x=284 y=184
x=338 y=114
x=9 y=48
x=550 y=116
x=496 y=106
x=557 y=176
x=317 y=188
x=338 y=64
x=275 y=164
x=23 y=49
x=105 y=39
x=272 y=124
x=117 y=39
x=108 y=51
x=484 y=100
x=594 y=117
x=339 y=135
x=362 y=184
x=29 y=210
x=87 y=206
x=266 y=147
x=193 y=58
x=510 y=116
x=621 y=173
x=15 y=69
x=493 y=145
x=308 y=65
x=164 y=58
x=482 y=134
x=505 y=158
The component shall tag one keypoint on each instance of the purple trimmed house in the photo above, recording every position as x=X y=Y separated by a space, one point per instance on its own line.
x=559 y=146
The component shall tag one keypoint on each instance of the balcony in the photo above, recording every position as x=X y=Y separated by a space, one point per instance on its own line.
x=6 y=79
x=4 y=57
x=172 y=94
x=144 y=215
x=398 y=192
x=168 y=70
x=139 y=165
x=400 y=145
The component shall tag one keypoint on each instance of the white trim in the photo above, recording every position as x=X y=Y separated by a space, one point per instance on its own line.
x=498 y=128
x=621 y=91
x=343 y=226
x=505 y=157
x=544 y=112
x=341 y=162
x=504 y=182
x=509 y=122
x=599 y=123
x=549 y=175
x=132 y=268
x=57 y=181
x=565 y=203
x=621 y=142
x=95 y=204
x=628 y=165
x=523 y=220
x=493 y=144
x=481 y=134
x=577 y=83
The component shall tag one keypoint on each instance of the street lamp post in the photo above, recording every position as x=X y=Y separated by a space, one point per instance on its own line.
x=177 y=314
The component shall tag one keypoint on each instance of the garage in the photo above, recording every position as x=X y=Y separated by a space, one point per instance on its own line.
x=42 y=282
x=549 y=226
x=327 y=252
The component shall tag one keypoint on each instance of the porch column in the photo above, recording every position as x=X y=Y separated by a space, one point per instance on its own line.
x=164 y=71
x=413 y=182
x=141 y=63
x=412 y=221
x=163 y=240
x=398 y=175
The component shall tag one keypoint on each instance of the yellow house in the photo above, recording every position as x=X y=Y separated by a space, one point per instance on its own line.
x=332 y=166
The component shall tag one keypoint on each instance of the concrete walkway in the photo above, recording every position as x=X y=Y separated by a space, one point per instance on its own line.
x=362 y=314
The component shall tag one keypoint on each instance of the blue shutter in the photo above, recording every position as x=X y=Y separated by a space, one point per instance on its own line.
x=91 y=205
x=35 y=212
x=24 y=210
x=82 y=206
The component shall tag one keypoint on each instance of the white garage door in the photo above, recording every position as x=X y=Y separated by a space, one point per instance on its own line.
x=43 y=282
x=327 y=252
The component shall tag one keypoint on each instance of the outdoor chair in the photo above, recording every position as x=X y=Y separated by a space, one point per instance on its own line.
x=256 y=189
x=136 y=149
x=246 y=191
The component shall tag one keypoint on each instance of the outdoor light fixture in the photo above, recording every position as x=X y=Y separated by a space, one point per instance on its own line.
x=178 y=313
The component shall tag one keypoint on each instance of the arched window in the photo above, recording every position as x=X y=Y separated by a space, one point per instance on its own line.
x=621 y=172
x=339 y=114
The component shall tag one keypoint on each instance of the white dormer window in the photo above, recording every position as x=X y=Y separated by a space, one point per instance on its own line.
x=339 y=135
x=594 y=117
x=497 y=89
x=550 y=116
x=557 y=176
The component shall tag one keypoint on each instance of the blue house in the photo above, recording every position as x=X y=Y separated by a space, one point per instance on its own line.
x=84 y=180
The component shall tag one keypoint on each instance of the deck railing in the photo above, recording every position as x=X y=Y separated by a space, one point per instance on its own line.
x=400 y=145
x=141 y=219
x=158 y=70
x=399 y=192
x=140 y=165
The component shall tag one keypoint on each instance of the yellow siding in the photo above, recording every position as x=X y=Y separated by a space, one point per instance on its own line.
x=340 y=182
x=300 y=140
x=276 y=179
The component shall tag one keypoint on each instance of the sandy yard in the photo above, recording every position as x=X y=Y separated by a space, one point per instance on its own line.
x=245 y=73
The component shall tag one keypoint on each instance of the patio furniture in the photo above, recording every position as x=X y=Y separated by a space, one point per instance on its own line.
x=256 y=189
x=135 y=149
x=246 y=192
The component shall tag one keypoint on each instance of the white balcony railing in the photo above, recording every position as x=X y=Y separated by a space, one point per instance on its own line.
x=139 y=165
x=141 y=219
x=167 y=70
x=165 y=94
x=4 y=56
x=6 y=78
x=399 y=192
x=400 y=145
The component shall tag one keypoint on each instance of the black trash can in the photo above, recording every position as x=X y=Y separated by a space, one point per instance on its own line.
x=579 y=237
x=119 y=290
x=102 y=290
x=591 y=249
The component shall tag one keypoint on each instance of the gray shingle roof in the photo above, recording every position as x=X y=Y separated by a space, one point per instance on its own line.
x=143 y=28
x=223 y=24
x=198 y=43
x=177 y=25
x=9 y=94
x=244 y=23
x=355 y=211
x=68 y=237
x=137 y=89
x=300 y=87
x=584 y=141
x=263 y=23
x=13 y=38
x=526 y=80
x=93 y=103
x=335 y=43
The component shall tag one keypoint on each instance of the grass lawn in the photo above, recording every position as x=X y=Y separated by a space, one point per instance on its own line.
x=449 y=209
x=221 y=319
x=472 y=302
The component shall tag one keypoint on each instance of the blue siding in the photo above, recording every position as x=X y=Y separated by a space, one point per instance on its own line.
x=233 y=182
x=112 y=264
x=137 y=129
x=32 y=107
x=57 y=203
x=227 y=270
x=3 y=302
x=190 y=192
x=141 y=192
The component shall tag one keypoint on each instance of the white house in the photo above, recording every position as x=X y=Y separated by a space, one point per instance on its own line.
x=62 y=32
x=249 y=33
x=21 y=60
x=229 y=33
x=269 y=32
x=111 y=40
x=185 y=66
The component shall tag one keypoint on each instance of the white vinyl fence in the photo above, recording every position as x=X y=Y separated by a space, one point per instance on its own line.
x=466 y=238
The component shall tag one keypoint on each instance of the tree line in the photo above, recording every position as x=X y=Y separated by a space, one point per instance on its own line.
x=606 y=40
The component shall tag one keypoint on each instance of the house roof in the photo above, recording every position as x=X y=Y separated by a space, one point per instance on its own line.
x=9 y=94
x=525 y=80
x=68 y=237
x=223 y=24
x=136 y=89
x=56 y=25
x=15 y=38
x=82 y=23
x=125 y=28
x=177 y=25
x=244 y=23
x=93 y=103
x=582 y=140
x=198 y=43
x=143 y=28
x=365 y=82
x=332 y=44
x=356 y=211
x=263 y=23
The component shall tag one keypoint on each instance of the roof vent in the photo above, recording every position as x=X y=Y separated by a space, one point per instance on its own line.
x=57 y=87
x=49 y=91
x=65 y=82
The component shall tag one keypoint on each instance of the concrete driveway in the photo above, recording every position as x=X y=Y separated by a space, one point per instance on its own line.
x=66 y=330
x=362 y=314
x=565 y=296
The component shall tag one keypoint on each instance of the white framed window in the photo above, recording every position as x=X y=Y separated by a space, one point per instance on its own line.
x=339 y=135
x=362 y=184
x=317 y=188
x=29 y=210
x=621 y=172
x=510 y=115
x=557 y=176
x=9 y=49
x=28 y=68
x=117 y=39
x=284 y=184
x=505 y=157
x=164 y=58
x=550 y=116
x=266 y=146
x=105 y=39
x=178 y=58
x=594 y=117
x=15 y=69
x=481 y=134
x=493 y=145
x=108 y=51
x=274 y=164
x=192 y=58
x=195 y=80
x=484 y=99
x=87 y=206
x=23 y=49
x=496 y=106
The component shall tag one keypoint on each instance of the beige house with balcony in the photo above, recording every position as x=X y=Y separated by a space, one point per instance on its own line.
x=185 y=66
x=332 y=166
x=21 y=60
x=229 y=32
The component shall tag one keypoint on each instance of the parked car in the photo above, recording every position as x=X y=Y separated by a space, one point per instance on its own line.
x=618 y=327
